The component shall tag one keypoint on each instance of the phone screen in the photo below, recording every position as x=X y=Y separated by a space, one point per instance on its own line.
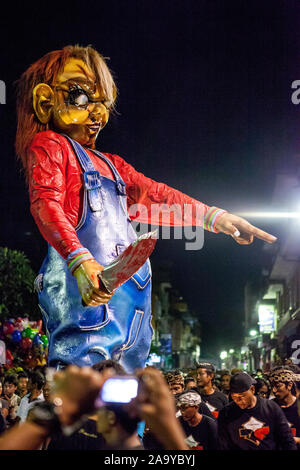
x=119 y=390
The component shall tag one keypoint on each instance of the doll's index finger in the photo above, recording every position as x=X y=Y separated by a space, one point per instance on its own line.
x=267 y=237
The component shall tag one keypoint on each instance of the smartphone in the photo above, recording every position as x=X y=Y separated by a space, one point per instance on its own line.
x=118 y=389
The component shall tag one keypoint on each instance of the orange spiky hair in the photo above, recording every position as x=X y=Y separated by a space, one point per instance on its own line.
x=45 y=70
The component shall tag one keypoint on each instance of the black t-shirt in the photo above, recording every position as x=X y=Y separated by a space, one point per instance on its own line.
x=86 y=438
x=263 y=427
x=293 y=418
x=215 y=402
x=150 y=441
x=203 y=408
x=204 y=436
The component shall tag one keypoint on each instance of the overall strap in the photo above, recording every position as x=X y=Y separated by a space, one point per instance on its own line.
x=119 y=181
x=91 y=177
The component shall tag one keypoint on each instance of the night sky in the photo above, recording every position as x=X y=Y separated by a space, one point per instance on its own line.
x=204 y=106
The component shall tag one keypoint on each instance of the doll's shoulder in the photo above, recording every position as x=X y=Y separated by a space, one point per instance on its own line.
x=48 y=138
x=52 y=144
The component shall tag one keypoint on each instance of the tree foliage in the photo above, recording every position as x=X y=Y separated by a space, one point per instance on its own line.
x=17 y=297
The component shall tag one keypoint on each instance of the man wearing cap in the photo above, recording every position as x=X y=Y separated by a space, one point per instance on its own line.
x=250 y=422
x=214 y=399
x=282 y=380
x=200 y=430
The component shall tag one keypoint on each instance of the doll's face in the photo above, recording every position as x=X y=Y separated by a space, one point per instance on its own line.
x=75 y=106
x=80 y=109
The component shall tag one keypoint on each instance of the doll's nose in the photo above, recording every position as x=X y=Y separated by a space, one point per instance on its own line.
x=99 y=111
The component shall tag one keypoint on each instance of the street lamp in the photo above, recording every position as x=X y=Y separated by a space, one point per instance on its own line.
x=231 y=351
x=252 y=333
x=223 y=355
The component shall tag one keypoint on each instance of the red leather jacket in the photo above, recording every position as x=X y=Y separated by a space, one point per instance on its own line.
x=56 y=191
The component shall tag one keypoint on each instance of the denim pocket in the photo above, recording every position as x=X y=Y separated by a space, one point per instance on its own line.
x=94 y=318
x=134 y=329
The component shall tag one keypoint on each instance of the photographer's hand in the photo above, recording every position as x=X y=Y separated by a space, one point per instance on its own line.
x=156 y=406
x=74 y=394
x=75 y=391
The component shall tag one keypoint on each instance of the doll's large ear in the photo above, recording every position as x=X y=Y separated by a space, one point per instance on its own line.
x=43 y=101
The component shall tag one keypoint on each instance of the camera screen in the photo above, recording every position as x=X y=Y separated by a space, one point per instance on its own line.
x=119 y=390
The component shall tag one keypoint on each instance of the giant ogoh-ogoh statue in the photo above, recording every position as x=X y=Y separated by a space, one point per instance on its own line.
x=80 y=200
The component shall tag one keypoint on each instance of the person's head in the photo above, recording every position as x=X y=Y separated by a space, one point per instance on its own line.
x=175 y=382
x=282 y=380
x=235 y=371
x=189 y=382
x=22 y=381
x=225 y=380
x=10 y=385
x=242 y=390
x=47 y=392
x=205 y=374
x=262 y=388
x=71 y=91
x=296 y=370
x=188 y=403
x=36 y=381
x=115 y=423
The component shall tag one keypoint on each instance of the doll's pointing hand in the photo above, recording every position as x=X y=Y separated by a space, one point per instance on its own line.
x=88 y=283
x=242 y=232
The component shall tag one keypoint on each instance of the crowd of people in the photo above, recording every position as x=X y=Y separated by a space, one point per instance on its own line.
x=198 y=409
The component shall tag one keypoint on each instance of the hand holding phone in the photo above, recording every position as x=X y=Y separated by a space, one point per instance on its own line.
x=118 y=390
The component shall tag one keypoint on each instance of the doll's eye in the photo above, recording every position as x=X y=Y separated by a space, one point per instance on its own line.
x=78 y=97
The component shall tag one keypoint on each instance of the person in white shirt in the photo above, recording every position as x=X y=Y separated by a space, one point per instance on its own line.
x=35 y=385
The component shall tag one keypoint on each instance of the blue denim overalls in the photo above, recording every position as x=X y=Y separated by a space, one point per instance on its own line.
x=120 y=329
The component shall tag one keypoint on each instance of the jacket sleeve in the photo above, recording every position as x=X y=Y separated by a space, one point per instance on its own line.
x=156 y=203
x=47 y=191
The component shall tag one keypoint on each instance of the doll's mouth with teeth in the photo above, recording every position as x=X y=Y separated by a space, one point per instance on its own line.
x=94 y=127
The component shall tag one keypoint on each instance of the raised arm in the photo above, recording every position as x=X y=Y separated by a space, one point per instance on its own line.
x=146 y=196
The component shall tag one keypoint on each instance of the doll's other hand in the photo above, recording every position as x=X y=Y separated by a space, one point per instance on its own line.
x=88 y=283
x=242 y=232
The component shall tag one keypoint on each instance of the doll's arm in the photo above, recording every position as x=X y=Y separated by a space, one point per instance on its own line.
x=149 y=194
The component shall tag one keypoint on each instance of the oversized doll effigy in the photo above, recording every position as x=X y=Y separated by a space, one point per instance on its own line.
x=80 y=200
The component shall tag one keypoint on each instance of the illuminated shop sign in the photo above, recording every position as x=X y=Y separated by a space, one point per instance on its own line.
x=266 y=317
